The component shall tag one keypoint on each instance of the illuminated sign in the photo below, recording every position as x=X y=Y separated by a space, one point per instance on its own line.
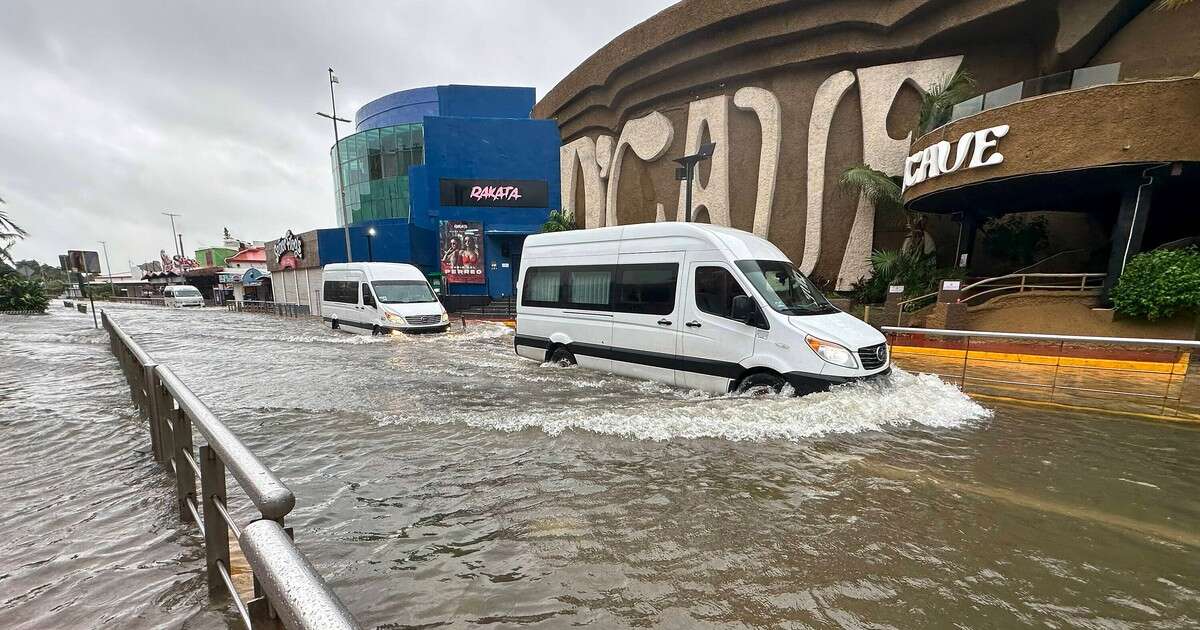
x=934 y=160
x=518 y=193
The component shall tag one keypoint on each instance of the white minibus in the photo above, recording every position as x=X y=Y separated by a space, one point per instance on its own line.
x=379 y=298
x=693 y=305
x=181 y=295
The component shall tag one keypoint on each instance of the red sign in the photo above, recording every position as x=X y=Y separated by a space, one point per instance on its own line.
x=462 y=251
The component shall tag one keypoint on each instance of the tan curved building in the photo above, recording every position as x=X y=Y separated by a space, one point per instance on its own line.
x=795 y=92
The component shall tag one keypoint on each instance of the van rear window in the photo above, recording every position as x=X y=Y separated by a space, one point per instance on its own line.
x=343 y=291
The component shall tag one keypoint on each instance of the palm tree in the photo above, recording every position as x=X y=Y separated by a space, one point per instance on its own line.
x=882 y=190
x=9 y=232
x=940 y=99
x=559 y=221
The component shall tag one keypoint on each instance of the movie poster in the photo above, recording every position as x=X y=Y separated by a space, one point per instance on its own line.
x=461 y=244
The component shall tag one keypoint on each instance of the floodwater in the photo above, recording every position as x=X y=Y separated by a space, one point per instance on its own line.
x=443 y=482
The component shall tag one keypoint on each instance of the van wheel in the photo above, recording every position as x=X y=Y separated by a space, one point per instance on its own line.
x=333 y=325
x=562 y=357
x=760 y=384
x=375 y=331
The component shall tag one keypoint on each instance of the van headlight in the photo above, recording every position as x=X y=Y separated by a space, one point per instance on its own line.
x=392 y=317
x=831 y=352
x=445 y=317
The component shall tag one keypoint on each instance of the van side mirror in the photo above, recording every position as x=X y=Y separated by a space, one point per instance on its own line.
x=744 y=309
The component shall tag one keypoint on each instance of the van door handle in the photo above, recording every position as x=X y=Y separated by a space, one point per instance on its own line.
x=693 y=324
x=664 y=322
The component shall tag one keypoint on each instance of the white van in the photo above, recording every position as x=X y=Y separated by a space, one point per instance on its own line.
x=378 y=298
x=693 y=305
x=181 y=295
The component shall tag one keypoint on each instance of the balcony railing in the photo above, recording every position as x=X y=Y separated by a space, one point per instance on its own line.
x=1048 y=84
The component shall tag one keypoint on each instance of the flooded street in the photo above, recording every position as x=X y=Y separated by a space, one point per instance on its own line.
x=441 y=481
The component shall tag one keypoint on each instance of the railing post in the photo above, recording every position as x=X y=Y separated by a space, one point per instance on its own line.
x=151 y=378
x=166 y=436
x=185 y=477
x=216 y=530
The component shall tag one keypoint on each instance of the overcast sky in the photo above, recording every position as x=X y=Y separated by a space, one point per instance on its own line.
x=113 y=112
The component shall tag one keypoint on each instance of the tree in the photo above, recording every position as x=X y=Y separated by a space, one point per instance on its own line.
x=1169 y=5
x=559 y=221
x=940 y=99
x=9 y=232
x=20 y=294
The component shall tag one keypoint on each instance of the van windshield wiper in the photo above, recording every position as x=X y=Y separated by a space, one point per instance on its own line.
x=809 y=310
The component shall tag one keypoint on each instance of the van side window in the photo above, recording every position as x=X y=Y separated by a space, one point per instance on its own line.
x=341 y=291
x=542 y=286
x=589 y=288
x=715 y=290
x=648 y=289
x=367 y=298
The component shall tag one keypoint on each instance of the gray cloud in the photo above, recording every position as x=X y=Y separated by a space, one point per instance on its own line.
x=116 y=111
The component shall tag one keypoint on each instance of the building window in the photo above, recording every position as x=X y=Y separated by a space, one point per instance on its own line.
x=374 y=165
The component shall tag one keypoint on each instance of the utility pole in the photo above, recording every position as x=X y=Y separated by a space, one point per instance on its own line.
x=173 y=215
x=337 y=150
x=108 y=266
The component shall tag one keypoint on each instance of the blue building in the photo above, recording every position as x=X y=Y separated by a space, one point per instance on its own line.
x=452 y=179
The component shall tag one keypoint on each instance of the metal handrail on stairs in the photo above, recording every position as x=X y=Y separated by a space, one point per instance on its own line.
x=1021 y=282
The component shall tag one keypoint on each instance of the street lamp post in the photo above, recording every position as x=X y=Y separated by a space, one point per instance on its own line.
x=687 y=172
x=337 y=150
x=173 y=215
x=370 y=235
x=108 y=266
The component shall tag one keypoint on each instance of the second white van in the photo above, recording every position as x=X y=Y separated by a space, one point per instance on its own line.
x=693 y=305
x=377 y=298
x=181 y=295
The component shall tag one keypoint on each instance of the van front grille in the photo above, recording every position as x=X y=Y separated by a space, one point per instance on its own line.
x=422 y=320
x=873 y=357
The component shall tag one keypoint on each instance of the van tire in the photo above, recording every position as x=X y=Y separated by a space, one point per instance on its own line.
x=375 y=331
x=562 y=357
x=760 y=384
x=333 y=325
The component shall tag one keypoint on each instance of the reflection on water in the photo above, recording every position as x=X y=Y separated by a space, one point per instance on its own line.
x=443 y=482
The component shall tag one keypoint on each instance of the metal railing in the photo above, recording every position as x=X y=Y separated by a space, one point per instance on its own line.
x=150 y=301
x=282 y=309
x=286 y=586
x=1021 y=282
x=1154 y=376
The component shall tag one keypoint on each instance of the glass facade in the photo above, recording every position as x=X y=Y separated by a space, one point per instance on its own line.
x=375 y=172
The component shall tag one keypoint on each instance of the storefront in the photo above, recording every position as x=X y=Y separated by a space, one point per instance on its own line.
x=794 y=94
x=450 y=179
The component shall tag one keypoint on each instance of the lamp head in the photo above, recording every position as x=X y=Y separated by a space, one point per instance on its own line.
x=371 y=231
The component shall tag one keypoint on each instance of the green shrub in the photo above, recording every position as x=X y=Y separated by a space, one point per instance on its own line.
x=19 y=294
x=1159 y=284
x=918 y=272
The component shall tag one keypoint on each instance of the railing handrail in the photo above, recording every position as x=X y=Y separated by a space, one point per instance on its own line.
x=299 y=593
x=272 y=498
x=294 y=590
x=1030 y=275
x=1132 y=341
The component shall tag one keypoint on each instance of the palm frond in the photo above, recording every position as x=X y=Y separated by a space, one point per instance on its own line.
x=876 y=186
x=1170 y=5
x=559 y=221
x=939 y=100
x=10 y=230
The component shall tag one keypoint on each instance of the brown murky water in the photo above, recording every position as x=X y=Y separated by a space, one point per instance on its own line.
x=443 y=482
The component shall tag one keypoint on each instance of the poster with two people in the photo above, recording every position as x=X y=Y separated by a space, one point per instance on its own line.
x=461 y=245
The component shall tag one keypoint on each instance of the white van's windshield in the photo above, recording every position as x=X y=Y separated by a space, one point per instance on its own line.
x=403 y=291
x=187 y=292
x=785 y=288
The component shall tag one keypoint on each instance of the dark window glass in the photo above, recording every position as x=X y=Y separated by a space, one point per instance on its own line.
x=404 y=291
x=390 y=165
x=542 y=287
x=715 y=290
x=343 y=291
x=367 y=298
x=648 y=289
x=376 y=165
